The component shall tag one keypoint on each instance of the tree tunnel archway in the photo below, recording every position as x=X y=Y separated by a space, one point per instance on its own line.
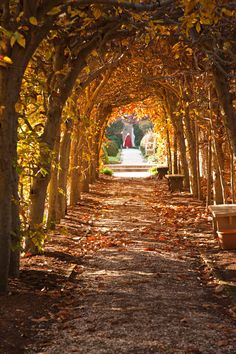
x=64 y=67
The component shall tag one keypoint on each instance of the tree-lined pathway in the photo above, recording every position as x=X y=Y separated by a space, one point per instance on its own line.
x=144 y=292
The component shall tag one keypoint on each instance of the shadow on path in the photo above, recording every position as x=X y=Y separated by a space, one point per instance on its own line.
x=144 y=292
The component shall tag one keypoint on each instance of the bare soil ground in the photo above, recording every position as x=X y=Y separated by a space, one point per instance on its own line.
x=131 y=269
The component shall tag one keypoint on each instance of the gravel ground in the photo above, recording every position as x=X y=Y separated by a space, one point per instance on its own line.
x=144 y=294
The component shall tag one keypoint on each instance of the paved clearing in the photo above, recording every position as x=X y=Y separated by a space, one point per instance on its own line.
x=144 y=293
x=132 y=157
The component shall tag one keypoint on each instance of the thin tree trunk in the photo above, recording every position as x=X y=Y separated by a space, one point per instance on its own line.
x=198 y=178
x=218 y=157
x=183 y=153
x=232 y=175
x=53 y=186
x=179 y=131
x=217 y=186
x=64 y=167
x=191 y=139
x=209 y=170
x=41 y=179
x=85 y=175
x=226 y=100
x=175 y=155
x=169 y=157
x=75 y=164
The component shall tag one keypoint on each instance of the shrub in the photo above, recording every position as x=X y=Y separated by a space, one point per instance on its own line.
x=138 y=134
x=142 y=149
x=115 y=159
x=153 y=171
x=104 y=155
x=111 y=148
x=115 y=128
x=106 y=171
x=117 y=139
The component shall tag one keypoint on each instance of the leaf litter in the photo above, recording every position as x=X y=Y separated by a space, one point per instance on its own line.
x=122 y=273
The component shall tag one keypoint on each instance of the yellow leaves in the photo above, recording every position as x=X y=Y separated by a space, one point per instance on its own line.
x=5 y=59
x=94 y=53
x=87 y=70
x=18 y=107
x=147 y=39
x=189 y=51
x=205 y=21
x=19 y=38
x=33 y=21
x=227 y=12
x=198 y=27
x=54 y=11
x=189 y=6
x=21 y=41
x=176 y=50
x=74 y=12
x=96 y=11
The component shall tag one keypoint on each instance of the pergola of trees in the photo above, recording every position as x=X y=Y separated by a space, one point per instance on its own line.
x=65 y=66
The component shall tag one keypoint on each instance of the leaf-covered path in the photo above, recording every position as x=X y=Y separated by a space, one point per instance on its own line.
x=143 y=293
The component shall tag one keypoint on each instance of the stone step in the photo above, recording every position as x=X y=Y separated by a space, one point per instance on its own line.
x=129 y=168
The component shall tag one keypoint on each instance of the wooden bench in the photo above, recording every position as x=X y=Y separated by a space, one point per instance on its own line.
x=224 y=224
x=175 y=182
x=162 y=171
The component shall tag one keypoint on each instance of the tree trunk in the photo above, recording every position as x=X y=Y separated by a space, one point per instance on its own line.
x=85 y=175
x=232 y=175
x=41 y=179
x=217 y=186
x=53 y=186
x=64 y=167
x=218 y=152
x=169 y=157
x=191 y=139
x=75 y=164
x=14 y=266
x=226 y=100
x=209 y=171
x=182 y=148
x=179 y=131
x=7 y=119
x=175 y=155
x=10 y=84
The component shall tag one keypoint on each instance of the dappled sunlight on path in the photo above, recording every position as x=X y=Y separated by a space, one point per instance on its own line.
x=143 y=293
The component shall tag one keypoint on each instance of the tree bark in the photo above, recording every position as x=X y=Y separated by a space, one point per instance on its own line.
x=179 y=131
x=64 y=168
x=7 y=118
x=53 y=217
x=41 y=179
x=209 y=170
x=226 y=101
x=217 y=186
x=175 y=155
x=191 y=139
x=61 y=89
x=75 y=164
